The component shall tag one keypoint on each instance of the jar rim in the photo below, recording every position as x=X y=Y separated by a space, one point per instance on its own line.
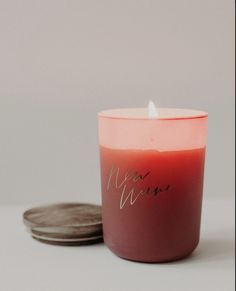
x=142 y=114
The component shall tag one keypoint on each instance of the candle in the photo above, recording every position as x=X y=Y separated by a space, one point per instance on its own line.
x=152 y=167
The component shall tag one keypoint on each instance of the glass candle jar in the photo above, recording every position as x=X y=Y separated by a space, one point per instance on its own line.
x=152 y=180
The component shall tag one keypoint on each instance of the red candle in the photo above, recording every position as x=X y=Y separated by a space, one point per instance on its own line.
x=152 y=179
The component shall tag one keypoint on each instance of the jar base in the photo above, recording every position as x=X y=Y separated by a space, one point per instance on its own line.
x=154 y=260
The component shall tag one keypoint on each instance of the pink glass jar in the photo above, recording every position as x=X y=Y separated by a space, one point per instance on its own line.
x=152 y=180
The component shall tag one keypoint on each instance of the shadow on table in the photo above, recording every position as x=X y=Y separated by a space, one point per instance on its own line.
x=211 y=250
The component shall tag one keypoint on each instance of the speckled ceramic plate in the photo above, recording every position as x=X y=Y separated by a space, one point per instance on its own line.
x=65 y=223
x=67 y=241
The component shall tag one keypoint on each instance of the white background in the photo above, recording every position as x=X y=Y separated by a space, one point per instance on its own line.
x=63 y=61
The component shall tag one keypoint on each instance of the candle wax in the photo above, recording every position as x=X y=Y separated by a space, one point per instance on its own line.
x=152 y=202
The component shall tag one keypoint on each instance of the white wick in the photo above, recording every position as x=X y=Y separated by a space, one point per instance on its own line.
x=152 y=110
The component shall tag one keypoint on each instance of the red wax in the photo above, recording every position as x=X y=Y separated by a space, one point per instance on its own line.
x=151 y=202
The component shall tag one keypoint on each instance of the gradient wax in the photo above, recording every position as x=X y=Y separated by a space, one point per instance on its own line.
x=152 y=202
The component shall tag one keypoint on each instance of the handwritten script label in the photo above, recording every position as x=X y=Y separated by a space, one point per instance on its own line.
x=131 y=194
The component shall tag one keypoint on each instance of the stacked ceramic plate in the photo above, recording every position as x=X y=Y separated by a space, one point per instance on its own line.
x=65 y=224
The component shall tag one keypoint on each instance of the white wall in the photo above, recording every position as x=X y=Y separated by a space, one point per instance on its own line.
x=62 y=61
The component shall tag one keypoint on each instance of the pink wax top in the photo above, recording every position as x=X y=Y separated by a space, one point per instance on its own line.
x=132 y=128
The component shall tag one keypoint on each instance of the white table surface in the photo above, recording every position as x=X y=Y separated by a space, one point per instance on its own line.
x=28 y=265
